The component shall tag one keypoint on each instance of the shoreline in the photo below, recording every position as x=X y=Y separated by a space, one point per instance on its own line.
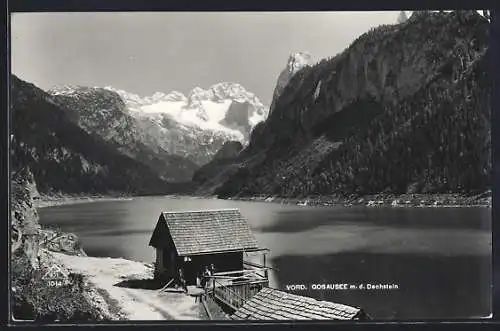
x=124 y=290
x=445 y=200
x=121 y=289
x=44 y=201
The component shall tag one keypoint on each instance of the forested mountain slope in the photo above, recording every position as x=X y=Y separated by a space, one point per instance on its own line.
x=404 y=109
x=66 y=159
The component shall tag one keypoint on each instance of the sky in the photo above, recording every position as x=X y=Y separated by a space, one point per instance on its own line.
x=148 y=52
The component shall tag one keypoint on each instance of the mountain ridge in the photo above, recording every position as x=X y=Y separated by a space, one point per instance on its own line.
x=314 y=135
x=192 y=127
x=63 y=157
x=103 y=112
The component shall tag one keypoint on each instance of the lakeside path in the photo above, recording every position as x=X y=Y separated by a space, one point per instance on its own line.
x=136 y=302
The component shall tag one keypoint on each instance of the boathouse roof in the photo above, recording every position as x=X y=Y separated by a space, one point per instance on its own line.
x=204 y=232
x=272 y=304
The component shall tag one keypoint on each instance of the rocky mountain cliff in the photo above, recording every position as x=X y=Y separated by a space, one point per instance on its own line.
x=404 y=109
x=63 y=157
x=32 y=263
x=103 y=113
x=197 y=126
x=296 y=62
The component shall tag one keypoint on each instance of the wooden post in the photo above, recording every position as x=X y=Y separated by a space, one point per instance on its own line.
x=265 y=270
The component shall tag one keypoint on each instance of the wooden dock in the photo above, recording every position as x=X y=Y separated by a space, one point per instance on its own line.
x=233 y=288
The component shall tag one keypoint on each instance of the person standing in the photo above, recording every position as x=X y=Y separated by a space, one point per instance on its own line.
x=205 y=277
x=182 y=280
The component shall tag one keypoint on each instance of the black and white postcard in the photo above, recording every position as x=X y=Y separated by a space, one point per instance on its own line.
x=246 y=166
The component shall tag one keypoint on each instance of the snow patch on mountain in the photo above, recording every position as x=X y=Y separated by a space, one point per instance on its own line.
x=256 y=118
x=202 y=109
x=194 y=127
x=205 y=118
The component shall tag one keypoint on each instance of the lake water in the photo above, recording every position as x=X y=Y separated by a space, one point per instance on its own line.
x=439 y=258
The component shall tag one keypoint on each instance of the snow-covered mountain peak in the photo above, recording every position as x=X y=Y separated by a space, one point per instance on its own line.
x=195 y=126
x=136 y=102
x=63 y=89
x=158 y=96
x=222 y=92
x=197 y=95
x=225 y=109
x=215 y=105
x=230 y=90
x=297 y=61
x=172 y=96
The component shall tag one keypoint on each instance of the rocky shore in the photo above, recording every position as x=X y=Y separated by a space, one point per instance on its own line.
x=65 y=199
x=53 y=279
x=448 y=200
x=419 y=200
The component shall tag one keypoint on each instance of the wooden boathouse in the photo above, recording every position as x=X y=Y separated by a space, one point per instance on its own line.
x=192 y=240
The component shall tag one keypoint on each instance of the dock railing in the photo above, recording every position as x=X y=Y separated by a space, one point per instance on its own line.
x=234 y=296
x=234 y=288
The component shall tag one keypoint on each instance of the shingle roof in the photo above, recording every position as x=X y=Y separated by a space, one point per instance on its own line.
x=272 y=304
x=207 y=231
